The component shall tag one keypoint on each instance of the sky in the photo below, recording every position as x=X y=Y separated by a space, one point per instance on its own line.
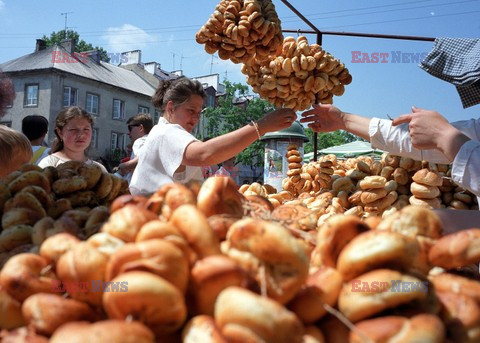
x=165 y=33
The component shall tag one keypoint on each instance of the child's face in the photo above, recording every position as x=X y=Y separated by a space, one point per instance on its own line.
x=76 y=134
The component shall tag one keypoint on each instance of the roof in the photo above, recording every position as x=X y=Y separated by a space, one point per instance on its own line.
x=87 y=68
x=351 y=149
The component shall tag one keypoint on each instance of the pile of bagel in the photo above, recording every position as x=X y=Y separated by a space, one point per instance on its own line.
x=196 y=263
x=36 y=203
x=240 y=30
x=297 y=75
x=364 y=187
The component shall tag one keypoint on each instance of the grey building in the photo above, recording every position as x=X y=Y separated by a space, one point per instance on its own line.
x=52 y=78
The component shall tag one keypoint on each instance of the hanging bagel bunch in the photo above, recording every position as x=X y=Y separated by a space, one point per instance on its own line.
x=286 y=72
x=298 y=75
x=241 y=30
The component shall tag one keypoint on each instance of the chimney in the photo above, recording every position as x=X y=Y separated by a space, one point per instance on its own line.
x=69 y=45
x=40 y=45
x=134 y=57
x=95 y=56
x=151 y=67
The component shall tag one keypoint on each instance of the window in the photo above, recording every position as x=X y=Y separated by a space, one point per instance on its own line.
x=93 y=144
x=113 y=141
x=210 y=101
x=156 y=116
x=6 y=123
x=31 y=95
x=125 y=141
x=143 y=109
x=69 y=96
x=118 y=109
x=92 y=104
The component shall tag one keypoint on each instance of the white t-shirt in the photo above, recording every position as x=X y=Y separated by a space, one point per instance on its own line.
x=136 y=151
x=161 y=156
x=54 y=161
x=466 y=165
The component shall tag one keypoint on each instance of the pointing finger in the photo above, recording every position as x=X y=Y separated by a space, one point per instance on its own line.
x=405 y=118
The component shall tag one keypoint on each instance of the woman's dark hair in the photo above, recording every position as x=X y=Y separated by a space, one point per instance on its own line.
x=63 y=118
x=177 y=90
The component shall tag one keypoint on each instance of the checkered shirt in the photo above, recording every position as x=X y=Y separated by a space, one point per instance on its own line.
x=457 y=60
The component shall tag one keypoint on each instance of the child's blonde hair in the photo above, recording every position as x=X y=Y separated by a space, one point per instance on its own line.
x=11 y=143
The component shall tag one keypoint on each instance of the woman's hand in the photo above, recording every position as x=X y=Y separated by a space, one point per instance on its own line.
x=279 y=119
x=430 y=130
x=324 y=118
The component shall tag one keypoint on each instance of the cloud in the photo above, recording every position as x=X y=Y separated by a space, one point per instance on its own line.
x=432 y=13
x=2 y=5
x=126 y=37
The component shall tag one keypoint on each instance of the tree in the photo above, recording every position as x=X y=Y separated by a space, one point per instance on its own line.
x=80 y=44
x=227 y=117
x=328 y=139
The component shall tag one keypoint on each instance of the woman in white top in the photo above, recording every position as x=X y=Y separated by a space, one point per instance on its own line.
x=73 y=131
x=172 y=154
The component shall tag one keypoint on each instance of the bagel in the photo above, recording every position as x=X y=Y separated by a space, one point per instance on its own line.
x=374 y=292
x=55 y=246
x=10 y=311
x=412 y=221
x=434 y=203
x=105 y=243
x=244 y=316
x=400 y=176
x=423 y=191
x=451 y=283
x=371 y=195
x=22 y=334
x=296 y=217
x=127 y=221
x=456 y=250
x=126 y=199
x=343 y=184
x=270 y=254
x=59 y=207
x=150 y=298
x=419 y=328
x=322 y=287
x=91 y=172
x=202 y=328
x=374 y=249
x=20 y=216
x=427 y=177
x=83 y=264
x=29 y=178
x=334 y=235
x=381 y=204
x=47 y=312
x=69 y=185
x=156 y=256
x=373 y=182
x=39 y=230
x=15 y=236
x=193 y=225
x=461 y=314
x=211 y=275
x=220 y=195
x=103 y=331
x=25 y=274
x=170 y=196
x=104 y=186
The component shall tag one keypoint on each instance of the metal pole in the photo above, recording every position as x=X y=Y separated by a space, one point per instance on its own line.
x=360 y=34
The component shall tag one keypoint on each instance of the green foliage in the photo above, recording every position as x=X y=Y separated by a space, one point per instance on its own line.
x=328 y=139
x=227 y=117
x=80 y=44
